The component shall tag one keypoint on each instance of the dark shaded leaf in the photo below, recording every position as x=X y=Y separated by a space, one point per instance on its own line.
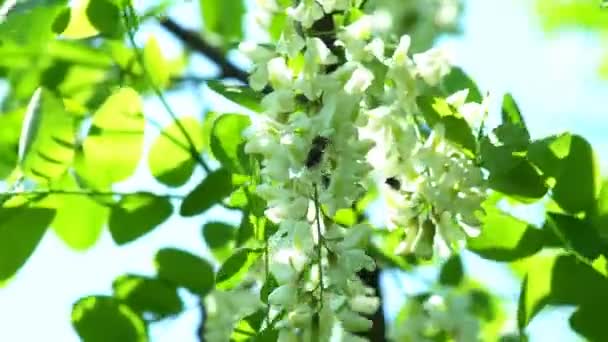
x=185 y=270
x=61 y=21
x=457 y=80
x=577 y=235
x=235 y=268
x=548 y=154
x=212 y=190
x=106 y=17
x=150 y=297
x=577 y=185
x=103 y=319
x=21 y=229
x=452 y=271
x=521 y=181
x=218 y=234
x=137 y=214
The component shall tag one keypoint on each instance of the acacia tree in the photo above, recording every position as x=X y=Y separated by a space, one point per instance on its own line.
x=340 y=110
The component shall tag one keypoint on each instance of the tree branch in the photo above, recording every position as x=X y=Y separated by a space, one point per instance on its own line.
x=195 y=42
x=378 y=331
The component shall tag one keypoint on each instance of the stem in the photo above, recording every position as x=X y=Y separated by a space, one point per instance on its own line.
x=85 y=193
x=319 y=243
x=158 y=92
x=194 y=41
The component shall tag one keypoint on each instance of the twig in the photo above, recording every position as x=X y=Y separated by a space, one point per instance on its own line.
x=140 y=59
x=195 y=42
x=319 y=243
x=86 y=193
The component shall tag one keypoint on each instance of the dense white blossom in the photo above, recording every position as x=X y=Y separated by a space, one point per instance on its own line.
x=334 y=117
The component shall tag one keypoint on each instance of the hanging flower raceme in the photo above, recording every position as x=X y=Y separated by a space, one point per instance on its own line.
x=333 y=116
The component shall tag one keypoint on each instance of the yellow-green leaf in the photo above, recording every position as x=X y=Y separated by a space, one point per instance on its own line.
x=170 y=160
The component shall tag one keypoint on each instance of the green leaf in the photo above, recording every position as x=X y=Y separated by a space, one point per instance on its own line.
x=18 y=26
x=212 y=190
x=170 y=159
x=590 y=322
x=457 y=80
x=218 y=234
x=457 y=130
x=560 y=280
x=11 y=123
x=599 y=219
x=156 y=65
x=224 y=18
x=148 y=296
x=227 y=142
x=185 y=270
x=61 y=21
x=535 y=290
x=245 y=230
x=497 y=159
x=105 y=16
x=112 y=150
x=521 y=181
x=80 y=218
x=505 y=238
x=102 y=319
x=577 y=185
x=241 y=95
x=137 y=214
x=511 y=114
x=21 y=229
x=269 y=285
x=79 y=25
x=235 y=268
x=548 y=154
x=452 y=271
x=577 y=235
x=47 y=143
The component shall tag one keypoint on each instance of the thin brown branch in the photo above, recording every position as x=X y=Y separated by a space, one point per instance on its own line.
x=196 y=43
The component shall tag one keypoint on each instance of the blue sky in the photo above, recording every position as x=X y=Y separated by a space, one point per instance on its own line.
x=552 y=78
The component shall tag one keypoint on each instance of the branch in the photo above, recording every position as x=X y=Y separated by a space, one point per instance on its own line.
x=87 y=193
x=195 y=42
x=141 y=60
x=378 y=331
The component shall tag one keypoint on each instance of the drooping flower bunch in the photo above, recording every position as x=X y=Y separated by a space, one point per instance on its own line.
x=446 y=313
x=339 y=108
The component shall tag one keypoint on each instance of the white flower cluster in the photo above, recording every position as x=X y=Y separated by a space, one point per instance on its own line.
x=446 y=313
x=331 y=105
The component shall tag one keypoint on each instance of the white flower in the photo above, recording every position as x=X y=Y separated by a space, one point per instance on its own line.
x=307 y=12
x=279 y=75
x=290 y=43
x=432 y=65
x=359 y=81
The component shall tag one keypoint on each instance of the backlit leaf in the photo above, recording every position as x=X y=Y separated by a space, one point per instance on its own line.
x=170 y=159
x=228 y=142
